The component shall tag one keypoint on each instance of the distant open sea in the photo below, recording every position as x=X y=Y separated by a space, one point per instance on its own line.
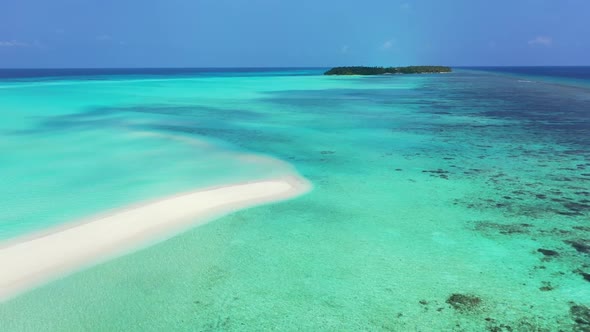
x=575 y=72
x=451 y=202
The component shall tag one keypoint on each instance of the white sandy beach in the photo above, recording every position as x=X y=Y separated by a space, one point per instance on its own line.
x=34 y=260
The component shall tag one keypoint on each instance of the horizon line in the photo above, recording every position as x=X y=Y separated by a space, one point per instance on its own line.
x=278 y=67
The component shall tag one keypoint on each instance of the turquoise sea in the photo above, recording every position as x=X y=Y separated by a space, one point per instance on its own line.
x=451 y=202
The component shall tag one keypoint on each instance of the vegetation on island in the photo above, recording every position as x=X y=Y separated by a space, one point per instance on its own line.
x=359 y=70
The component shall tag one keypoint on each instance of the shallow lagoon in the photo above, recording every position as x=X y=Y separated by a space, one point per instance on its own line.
x=424 y=187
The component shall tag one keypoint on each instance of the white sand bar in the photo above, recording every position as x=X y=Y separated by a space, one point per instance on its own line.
x=31 y=261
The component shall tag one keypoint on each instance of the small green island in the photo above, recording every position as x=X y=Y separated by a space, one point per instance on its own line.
x=359 y=70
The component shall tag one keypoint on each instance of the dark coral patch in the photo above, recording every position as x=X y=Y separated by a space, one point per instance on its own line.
x=505 y=229
x=581 y=316
x=548 y=252
x=464 y=302
x=581 y=246
x=584 y=275
x=546 y=287
x=438 y=173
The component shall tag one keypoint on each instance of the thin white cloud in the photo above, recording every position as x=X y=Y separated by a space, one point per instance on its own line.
x=110 y=40
x=104 y=38
x=387 y=45
x=405 y=5
x=13 y=43
x=344 y=49
x=541 y=41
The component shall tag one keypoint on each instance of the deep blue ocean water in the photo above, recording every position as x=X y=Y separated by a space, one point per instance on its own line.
x=576 y=72
x=109 y=73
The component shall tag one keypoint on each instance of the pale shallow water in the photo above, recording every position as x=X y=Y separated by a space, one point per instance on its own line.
x=424 y=186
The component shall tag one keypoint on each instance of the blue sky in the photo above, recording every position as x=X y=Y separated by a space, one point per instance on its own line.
x=268 y=33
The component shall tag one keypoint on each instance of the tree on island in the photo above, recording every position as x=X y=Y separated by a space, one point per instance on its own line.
x=359 y=70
